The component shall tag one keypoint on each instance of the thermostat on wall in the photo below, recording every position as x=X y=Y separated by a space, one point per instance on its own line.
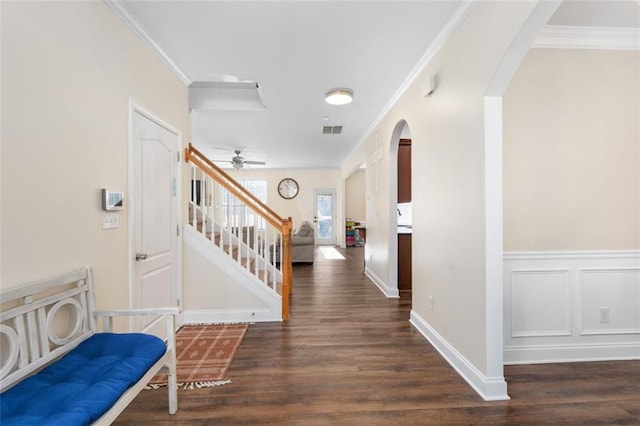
x=112 y=200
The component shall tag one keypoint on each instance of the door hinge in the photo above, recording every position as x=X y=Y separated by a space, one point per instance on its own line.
x=178 y=303
x=178 y=156
x=178 y=230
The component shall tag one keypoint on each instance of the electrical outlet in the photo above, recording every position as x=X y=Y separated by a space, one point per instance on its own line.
x=604 y=315
x=430 y=303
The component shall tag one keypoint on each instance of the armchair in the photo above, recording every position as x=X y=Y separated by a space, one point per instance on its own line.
x=302 y=244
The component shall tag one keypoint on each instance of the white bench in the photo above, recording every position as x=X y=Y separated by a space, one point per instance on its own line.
x=43 y=322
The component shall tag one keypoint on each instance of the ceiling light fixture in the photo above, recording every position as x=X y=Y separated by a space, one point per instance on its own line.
x=339 y=96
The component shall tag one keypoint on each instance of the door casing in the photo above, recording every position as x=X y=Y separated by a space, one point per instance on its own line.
x=175 y=296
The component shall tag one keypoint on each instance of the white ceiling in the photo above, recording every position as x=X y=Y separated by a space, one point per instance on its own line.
x=297 y=51
x=590 y=13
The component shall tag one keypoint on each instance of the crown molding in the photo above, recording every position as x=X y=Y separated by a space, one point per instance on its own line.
x=567 y=37
x=450 y=27
x=120 y=9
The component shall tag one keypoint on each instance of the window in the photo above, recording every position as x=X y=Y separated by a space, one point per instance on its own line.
x=257 y=187
x=239 y=215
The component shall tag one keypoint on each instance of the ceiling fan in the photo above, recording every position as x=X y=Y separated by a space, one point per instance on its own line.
x=238 y=162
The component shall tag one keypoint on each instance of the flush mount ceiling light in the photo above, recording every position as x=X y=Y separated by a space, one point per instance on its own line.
x=339 y=96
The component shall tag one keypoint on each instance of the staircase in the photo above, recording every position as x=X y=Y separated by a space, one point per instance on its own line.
x=236 y=226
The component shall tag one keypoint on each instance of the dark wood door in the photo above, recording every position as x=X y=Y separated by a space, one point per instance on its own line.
x=404 y=171
x=404 y=262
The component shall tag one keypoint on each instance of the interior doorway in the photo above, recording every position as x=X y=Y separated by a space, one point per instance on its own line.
x=400 y=211
x=355 y=210
x=405 y=217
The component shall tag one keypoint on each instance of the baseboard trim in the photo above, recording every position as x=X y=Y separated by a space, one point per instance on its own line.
x=489 y=388
x=391 y=293
x=225 y=316
x=548 y=354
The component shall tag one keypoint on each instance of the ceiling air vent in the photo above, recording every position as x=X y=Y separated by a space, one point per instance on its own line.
x=331 y=130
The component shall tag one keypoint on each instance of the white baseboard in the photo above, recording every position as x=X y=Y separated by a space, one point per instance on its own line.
x=489 y=388
x=223 y=316
x=545 y=354
x=388 y=291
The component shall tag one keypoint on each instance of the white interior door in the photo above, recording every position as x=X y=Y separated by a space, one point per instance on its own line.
x=324 y=206
x=155 y=215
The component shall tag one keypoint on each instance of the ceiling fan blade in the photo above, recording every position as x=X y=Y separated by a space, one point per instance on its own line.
x=254 y=162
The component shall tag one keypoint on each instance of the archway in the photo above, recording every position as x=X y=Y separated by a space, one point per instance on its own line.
x=400 y=257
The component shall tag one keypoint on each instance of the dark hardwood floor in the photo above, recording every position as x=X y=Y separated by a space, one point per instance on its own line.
x=349 y=356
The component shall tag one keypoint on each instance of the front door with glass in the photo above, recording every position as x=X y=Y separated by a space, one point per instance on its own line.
x=324 y=206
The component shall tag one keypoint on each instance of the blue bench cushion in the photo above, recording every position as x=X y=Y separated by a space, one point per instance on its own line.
x=81 y=386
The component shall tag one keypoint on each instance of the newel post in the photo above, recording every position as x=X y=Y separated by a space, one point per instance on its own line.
x=287 y=269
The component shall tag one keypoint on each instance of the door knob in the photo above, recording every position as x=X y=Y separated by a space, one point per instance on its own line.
x=141 y=256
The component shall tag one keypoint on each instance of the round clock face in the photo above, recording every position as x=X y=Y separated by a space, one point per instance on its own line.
x=288 y=188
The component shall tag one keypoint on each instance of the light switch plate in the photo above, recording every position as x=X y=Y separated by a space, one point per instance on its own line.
x=110 y=220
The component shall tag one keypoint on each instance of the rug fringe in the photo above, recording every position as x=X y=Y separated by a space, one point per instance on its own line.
x=189 y=386
x=216 y=323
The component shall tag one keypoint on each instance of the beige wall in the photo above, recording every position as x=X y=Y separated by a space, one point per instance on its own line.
x=299 y=208
x=572 y=151
x=447 y=131
x=69 y=70
x=355 y=206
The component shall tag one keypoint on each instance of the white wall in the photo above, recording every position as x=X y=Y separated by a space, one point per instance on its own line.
x=218 y=291
x=69 y=70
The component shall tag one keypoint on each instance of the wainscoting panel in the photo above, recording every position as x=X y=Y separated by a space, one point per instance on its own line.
x=541 y=302
x=609 y=300
x=571 y=306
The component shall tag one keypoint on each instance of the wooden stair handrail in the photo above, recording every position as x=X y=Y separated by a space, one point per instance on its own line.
x=229 y=182
x=285 y=226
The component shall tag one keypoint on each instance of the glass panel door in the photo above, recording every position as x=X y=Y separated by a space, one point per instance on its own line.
x=324 y=206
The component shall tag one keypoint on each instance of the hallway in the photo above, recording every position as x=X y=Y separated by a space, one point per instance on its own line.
x=349 y=356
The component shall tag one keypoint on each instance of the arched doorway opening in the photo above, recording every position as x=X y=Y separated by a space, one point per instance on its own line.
x=400 y=214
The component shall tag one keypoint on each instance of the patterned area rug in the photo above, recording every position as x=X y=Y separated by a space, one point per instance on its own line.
x=204 y=354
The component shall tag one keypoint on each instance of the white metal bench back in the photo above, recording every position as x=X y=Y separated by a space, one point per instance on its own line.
x=29 y=326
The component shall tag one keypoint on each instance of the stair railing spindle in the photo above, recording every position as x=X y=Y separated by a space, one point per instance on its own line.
x=192 y=202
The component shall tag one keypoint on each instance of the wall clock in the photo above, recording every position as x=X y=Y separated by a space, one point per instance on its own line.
x=288 y=188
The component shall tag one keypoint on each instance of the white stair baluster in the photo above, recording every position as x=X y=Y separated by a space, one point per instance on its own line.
x=203 y=204
x=192 y=203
